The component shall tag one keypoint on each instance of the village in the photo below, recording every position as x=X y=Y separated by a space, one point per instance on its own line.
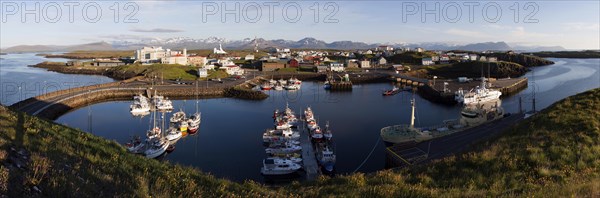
x=287 y=60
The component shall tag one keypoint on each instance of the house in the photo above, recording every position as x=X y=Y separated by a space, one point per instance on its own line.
x=352 y=63
x=473 y=57
x=336 y=67
x=271 y=66
x=493 y=59
x=418 y=49
x=435 y=58
x=427 y=61
x=197 y=60
x=232 y=70
x=325 y=59
x=398 y=67
x=249 y=57
x=75 y=63
x=483 y=58
x=293 y=63
x=384 y=48
x=445 y=59
x=382 y=61
x=365 y=64
x=202 y=73
x=209 y=67
x=369 y=52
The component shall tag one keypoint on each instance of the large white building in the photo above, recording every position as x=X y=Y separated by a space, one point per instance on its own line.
x=158 y=54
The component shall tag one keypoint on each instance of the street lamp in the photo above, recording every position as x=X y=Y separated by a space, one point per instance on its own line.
x=434 y=77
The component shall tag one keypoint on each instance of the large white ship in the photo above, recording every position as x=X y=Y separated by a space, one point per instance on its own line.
x=480 y=94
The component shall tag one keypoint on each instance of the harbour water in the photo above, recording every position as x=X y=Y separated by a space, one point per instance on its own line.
x=229 y=145
x=15 y=74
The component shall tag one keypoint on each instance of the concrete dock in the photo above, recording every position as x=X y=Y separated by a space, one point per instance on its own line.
x=309 y=157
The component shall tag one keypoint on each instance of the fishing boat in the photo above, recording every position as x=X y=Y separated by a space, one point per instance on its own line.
x=281 y=124
x=316 y=134
x=183 y=126
x=292 y=87
x=272 y=82
x=153 y=133
x=287 y=134
x=326 y=157
x=327 y=85
x=308 y=114
x=140 y=105
x=157 y=147
x=282 y=81
x=178 y=117
x=470 y=116
x=194 y=123
x=480 y=94
x=278 y=87
x=391 y=92
x=173 y=134
x=327 y=134
x=266 y=86
x=283 y=149
x=135 y=145
x=278 y=166
x=295 y=81
x=162 y=104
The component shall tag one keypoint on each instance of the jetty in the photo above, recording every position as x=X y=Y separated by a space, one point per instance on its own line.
x=309 y=157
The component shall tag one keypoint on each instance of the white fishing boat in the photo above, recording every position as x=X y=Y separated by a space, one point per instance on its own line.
x=157 y=146
x=135 y=145
x=173 y=134
x=308 y=114
x=162 y=104
x=283 y=149
x=480 y=94
x=266 y=86
x=295 y=81
x=178 y=117
x=140 y=105
x=292 y=87
x=287 y=134
x=282 y=125
x=268 y=140
x=278 y=87
x=194 y=122
x=278 y=166
x=282 y=81
x=153 y=133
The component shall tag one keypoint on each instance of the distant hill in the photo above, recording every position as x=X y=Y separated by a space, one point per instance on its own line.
x=98 y=46
x=248 y=43
x=494 y=46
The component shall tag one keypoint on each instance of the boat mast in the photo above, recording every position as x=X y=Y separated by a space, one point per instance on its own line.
x=412 y=114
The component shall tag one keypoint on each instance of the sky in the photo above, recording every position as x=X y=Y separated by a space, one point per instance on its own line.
x=570 y=24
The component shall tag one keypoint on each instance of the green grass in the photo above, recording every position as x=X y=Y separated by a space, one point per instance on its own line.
x=556 y=153
x=474 y=69
x=161 y=70
x=214 y=74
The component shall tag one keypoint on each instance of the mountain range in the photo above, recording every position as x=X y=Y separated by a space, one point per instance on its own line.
x=248 y=43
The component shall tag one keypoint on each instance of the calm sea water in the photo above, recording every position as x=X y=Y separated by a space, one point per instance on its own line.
x=19 y=82
x=229 y=142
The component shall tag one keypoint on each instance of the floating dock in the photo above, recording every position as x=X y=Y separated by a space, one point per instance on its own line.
x=309 y=157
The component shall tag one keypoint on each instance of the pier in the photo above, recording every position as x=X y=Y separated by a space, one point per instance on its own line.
x=309 y=157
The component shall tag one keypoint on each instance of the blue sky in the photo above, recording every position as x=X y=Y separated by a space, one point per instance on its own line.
x=571 y=24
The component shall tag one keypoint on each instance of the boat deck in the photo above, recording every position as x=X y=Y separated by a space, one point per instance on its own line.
x=309 y=157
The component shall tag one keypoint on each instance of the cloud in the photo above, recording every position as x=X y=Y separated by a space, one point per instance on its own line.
x=125 y=37
x=156 y=30
x=466 y=33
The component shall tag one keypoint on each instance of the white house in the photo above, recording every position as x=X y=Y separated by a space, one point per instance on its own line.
x=202 y=73
x=209 y=67
x=249 y=57
x=473 y=57
x=427 y=61
x=365 y=64
x=382 y=61
x=336 y=67
x=232 y=70
x=418 y=49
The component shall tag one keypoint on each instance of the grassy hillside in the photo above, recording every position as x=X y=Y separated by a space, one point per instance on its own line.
x=570 y=54
x=499 y=69
x=556 y=153
x=159 y=70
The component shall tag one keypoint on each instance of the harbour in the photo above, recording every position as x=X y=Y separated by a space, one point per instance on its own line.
x=222 y=119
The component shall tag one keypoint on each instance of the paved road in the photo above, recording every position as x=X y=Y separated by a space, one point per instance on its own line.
x=39 y=106
x=458 y=142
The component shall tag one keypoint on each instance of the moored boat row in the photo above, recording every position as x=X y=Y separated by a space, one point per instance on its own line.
x=282 y=146
x=282 y=84
x=322 y=141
